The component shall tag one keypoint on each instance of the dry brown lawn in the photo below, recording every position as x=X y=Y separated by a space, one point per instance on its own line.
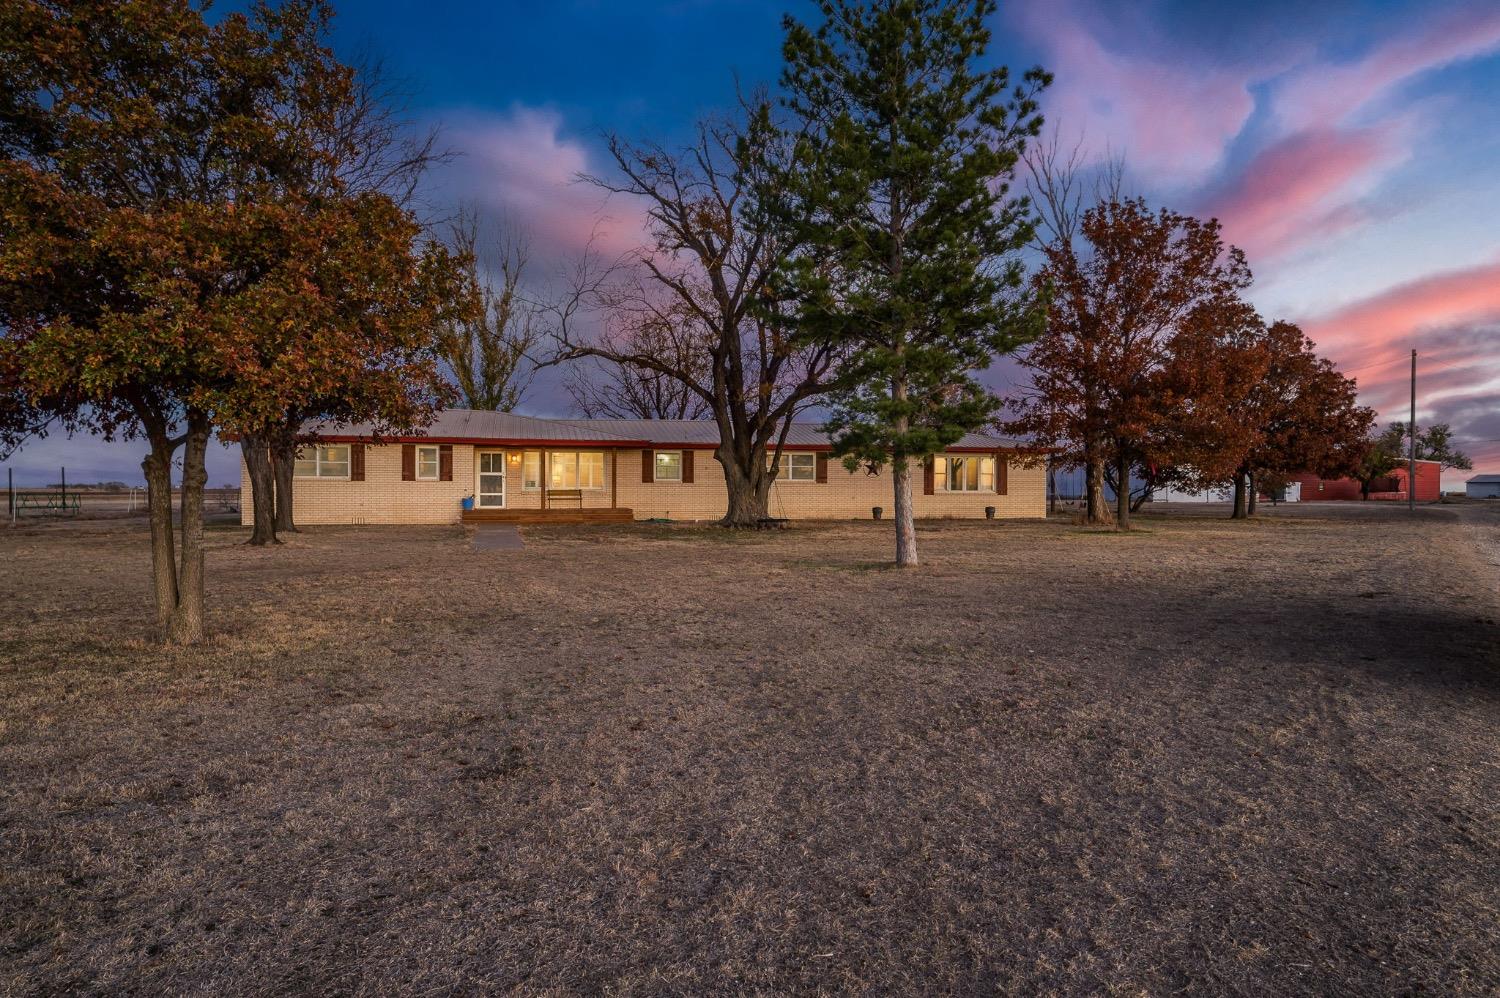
x=1207 y=757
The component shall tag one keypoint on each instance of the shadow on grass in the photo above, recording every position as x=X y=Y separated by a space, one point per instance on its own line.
x=857 y=567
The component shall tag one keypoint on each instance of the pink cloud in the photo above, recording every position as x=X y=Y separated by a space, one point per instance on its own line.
x=522 y=167
x=1173 y=118
x=1321 y=95
x=1287 y=194
x=1400 y=314
x=1453 y=320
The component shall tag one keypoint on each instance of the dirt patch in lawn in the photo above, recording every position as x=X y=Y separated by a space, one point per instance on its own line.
x=1256 y=758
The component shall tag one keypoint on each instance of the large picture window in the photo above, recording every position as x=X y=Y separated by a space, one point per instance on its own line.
x=797 y=468
x=565 y=470
x=967 y=474
x=322 y=461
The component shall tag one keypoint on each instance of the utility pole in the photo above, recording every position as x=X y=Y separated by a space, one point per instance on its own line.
x=1411 y=452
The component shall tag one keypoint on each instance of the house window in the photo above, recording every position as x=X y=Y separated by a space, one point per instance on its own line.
x=322 y=461
x=669 y=466
x=967 y=474
x=797 y=468
x=427 y=463
x=565 y=470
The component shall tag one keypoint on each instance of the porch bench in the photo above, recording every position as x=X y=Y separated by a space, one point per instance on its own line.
x=566 y=495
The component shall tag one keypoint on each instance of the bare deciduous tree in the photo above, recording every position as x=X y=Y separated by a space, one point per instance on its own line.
x=490 y=353
x=605 y=389
x=710 y=277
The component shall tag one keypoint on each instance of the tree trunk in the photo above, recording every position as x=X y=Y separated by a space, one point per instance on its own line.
x=262 y=489
x=283 y=466
x=1095 y=508
x=1122 y=493
x=1251 y=500
x=158 y=468
x=748 y=489
x=1241 y=501
x=906 y=527
x=186 y=624
x=1051 y=486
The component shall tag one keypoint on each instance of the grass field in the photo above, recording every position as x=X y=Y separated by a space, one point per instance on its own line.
x=1257 y=758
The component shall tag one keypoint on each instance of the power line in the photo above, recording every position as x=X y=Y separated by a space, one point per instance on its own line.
x=1371 y=367
x=1443 y=367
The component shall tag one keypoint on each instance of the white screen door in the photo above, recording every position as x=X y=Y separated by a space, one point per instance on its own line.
x=490 y=490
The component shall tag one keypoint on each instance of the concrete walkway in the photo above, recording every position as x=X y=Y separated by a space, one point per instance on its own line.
x=497 y=537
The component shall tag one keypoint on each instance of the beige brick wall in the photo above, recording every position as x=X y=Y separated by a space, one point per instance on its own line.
x=845 y=495
x=384 y=498
x=381 y=498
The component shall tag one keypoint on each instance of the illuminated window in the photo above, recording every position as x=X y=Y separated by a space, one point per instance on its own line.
x=565 y=470
x=669 y=466
x=967 y=474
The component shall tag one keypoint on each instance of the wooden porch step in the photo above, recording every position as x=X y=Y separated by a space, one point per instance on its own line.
x=617 y=515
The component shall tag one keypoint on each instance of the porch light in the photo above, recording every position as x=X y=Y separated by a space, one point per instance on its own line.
x=514 y=457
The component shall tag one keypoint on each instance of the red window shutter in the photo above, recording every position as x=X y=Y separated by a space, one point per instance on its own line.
x=822 y=469
x=687 y=467
x=648 y=465
x=408 y=462
x=445 y=462
x=356 y=462
x=1002 y=474
x=929 y=477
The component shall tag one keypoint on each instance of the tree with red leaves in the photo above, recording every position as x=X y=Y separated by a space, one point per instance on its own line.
x=1305 y=415
x=162 y=271
x=1215 y=363
x=1103 y=391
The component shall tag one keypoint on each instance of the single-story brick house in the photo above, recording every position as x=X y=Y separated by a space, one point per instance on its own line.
x=520 y=468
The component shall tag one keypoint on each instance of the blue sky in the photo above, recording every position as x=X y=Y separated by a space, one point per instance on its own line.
x=1348 y=146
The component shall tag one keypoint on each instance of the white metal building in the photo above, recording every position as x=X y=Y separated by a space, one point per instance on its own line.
x=1483 y=487
x=1293 y=493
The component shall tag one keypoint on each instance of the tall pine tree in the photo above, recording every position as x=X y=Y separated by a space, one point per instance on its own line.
x=912 y=238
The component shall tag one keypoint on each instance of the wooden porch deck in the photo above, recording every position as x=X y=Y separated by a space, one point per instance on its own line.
x=606 y=514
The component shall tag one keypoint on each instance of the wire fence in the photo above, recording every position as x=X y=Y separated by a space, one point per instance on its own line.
x=95 y=501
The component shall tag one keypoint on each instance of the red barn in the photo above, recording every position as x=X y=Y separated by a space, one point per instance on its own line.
x=1391 y=487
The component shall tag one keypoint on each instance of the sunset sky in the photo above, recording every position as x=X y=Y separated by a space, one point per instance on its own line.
x=1349 y=146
